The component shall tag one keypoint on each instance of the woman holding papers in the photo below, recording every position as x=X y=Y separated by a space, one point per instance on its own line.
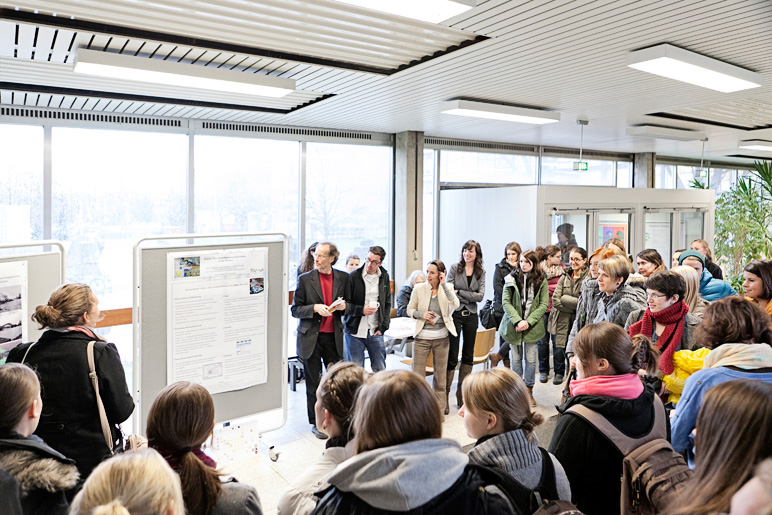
x=431 y=304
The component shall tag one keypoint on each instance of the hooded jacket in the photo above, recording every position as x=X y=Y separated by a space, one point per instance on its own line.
x=592 y=463
x=618 y=308
x=43 y=474
x=425 y=474
x=513 y=313
x=503 y=269
x=711 y=289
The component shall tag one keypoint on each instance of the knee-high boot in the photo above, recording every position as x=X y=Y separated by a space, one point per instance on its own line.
x=463 y=371
x=448 y=381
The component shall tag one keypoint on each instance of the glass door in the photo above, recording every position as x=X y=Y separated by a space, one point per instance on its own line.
x=658 y=233
x=691 y=227
x=614 y=225
x=569 y=229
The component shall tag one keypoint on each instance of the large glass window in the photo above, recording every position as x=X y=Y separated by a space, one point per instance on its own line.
x=692 y=228
x=347 y=197
x=247 y=185
x=21 y=183
x=569 y=230
x=487 y=168
x=430 y=164
x=560 y=170
x=111 y=188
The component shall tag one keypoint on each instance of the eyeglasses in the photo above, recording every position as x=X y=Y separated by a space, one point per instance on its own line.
x=655 y=295
x=321 y=255
x=576 y=260
x=371 y=262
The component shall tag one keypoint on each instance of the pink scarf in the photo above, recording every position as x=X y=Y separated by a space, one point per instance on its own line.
x=626 y=386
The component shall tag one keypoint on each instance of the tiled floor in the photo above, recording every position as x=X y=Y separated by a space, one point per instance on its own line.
x=299 y=448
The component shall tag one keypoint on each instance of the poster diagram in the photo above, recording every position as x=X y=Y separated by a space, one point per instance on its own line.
x=13 y=306
x=217 y=318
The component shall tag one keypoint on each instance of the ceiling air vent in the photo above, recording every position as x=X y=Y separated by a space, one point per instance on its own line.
x=657 y=132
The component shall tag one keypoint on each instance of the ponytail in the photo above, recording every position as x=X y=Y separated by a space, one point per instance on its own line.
x=644 y=355
x=200 y=484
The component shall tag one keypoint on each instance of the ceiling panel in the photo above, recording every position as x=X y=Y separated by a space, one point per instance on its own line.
x=564 y=55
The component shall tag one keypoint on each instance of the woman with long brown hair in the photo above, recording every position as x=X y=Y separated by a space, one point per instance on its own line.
x=70 y=422
x=607 y=365
x=549 y=260
x=738 y=334
x=468 y=279
x=180 y=419
x=734 y=434
x=402 y=463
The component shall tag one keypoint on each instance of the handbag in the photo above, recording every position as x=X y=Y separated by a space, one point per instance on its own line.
x=134 y=442
x=488 y=316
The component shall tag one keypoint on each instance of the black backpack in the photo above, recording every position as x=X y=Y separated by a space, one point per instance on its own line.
x=543 y=499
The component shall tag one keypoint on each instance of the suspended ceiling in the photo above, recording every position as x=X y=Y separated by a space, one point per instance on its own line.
x=362 y=70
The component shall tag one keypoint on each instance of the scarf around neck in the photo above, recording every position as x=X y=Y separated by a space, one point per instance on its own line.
x=741 y=355
x=625 y=386
x=672 y=318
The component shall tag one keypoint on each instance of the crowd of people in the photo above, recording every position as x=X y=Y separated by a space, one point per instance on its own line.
x=667 y=358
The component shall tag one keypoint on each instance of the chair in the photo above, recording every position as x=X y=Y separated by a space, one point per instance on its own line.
x=393 y=313
x=483 y=345
x=429 y=363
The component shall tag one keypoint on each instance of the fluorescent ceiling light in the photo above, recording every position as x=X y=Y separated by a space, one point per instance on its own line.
x=679 y=64
x=756 y=144
x=652 y=131
x=433 y=11
x=498 y=112
x=157 y=71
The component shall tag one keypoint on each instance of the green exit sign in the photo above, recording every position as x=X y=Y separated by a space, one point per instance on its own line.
x=580 y=165
x=701 y=173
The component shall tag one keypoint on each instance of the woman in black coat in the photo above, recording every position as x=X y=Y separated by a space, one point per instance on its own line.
x=509 y=265
x=70 y=420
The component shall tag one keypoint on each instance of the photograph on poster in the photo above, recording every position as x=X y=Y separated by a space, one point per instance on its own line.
x=187 y=266
x=10 y=298
x=256 y=285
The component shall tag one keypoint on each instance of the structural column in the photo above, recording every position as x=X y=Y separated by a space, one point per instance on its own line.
x=643 y=170
x=408 y=206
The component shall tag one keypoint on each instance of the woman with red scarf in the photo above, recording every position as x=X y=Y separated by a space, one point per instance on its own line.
x=666 y=320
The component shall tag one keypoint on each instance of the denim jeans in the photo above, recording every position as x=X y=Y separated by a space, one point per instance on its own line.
x=529 y=352
x=354 y=350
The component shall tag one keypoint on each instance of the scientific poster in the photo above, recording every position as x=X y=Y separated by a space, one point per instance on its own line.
x=217 y=318
x=13 y=306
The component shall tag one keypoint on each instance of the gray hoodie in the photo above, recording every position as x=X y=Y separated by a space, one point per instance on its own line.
x=402 y=477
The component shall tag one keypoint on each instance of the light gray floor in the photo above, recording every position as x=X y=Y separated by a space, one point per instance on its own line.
x=299 y=448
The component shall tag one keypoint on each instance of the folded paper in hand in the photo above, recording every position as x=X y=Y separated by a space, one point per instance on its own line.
x=335 y=304
x=433 y=320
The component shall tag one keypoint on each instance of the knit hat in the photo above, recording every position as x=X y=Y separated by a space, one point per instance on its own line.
x=691 y=253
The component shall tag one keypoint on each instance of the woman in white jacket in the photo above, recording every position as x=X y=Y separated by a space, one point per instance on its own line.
x=431 y=304
x=334 y=416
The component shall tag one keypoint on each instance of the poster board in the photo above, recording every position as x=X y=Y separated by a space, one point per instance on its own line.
x=40 y=265
x=151 y=323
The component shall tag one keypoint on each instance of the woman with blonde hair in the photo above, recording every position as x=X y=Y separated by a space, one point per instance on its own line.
x=44 y=476
x=692 y=297
x=616 y=299
x=70 y=421
x=134 y=483
x=180 y=419
x=734 y=434
x=498 y=414
x=402 y=464
x=334 y=416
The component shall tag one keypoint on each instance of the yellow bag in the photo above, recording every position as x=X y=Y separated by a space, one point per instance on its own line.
x=686 y=362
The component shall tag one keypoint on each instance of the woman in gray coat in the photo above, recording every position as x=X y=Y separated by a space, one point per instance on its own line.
x=564 y=306
x=616 y=299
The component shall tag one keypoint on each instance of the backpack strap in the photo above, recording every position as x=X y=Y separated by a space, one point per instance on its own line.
x=624 y=443
x=527 y=500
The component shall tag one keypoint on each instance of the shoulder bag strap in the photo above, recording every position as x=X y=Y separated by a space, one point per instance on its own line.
x=27 y=352
x=100 y=406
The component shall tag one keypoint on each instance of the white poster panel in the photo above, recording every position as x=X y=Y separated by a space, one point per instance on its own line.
x=13 y=306
x=217 y=318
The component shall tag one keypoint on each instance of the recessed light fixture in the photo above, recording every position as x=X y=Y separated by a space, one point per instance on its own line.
x=498 y=112
x=653 y=131
x=432 y=11
x=686 y=66
x=756 y=144
x=158 y=71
